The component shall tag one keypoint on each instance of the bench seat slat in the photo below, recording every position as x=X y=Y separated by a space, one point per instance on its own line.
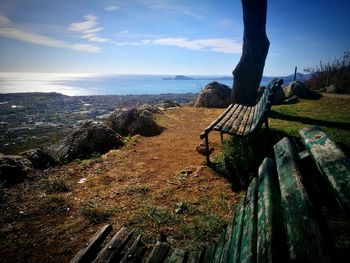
x=250 y=120
x=226 y=117
x=304 y=239
x=244 y=121
x=332 y=163
x=227 y=126
x=235 y=124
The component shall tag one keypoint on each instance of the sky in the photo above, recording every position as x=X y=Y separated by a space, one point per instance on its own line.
x=197 y=37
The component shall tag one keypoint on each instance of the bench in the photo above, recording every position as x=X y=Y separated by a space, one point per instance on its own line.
x=332 y=163
x=276 y=221
x=242 y=120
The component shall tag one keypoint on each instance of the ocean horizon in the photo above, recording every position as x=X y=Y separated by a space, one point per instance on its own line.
x=93 y=84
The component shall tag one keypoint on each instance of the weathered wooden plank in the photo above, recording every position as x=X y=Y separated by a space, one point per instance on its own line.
x=227 y=126
x=244 y=121
x=158 y=253
x=219 y=247
x=88 y=253
x=112 y=251
x=236 y=238
x=196 y=256
x=135 y=252
x=248 y=245
x=268 y=223
x=238 y=120
x=226 y=243
x=218 y=119
x=250 y=120
x=258 y=114
x=209 y=254
x=177 y=256
x=304 y=240
x=227 y=116
x=332 y=163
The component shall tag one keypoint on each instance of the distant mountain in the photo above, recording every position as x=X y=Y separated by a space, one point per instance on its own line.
x=287 y=79
x=179 y=77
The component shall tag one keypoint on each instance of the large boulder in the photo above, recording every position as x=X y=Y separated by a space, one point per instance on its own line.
x=89 y=138
x=133 y=121
x=300 y=90
x=166 y=104
x=278 y=97
x=214 y=95
x=39 y=159
x=13 y=169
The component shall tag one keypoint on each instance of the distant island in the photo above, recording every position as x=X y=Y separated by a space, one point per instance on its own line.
x=179 y=77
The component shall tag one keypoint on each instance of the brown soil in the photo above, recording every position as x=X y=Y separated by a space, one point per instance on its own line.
x=139 y=185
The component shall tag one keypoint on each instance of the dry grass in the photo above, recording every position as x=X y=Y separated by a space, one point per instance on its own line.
x=153 y=184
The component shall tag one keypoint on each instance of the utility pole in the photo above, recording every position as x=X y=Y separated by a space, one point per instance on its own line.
x=295 y=73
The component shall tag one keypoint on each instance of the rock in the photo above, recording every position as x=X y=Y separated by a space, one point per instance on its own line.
x=214 y=95
x=166 y=104
x=13 y=169
x=299 y=89
x=89 y=138
x=133 y=121
x=279 y=97
x=291 y=100
x=39 y=159
x=150 y=108
x=200 y=148
x=331 y=89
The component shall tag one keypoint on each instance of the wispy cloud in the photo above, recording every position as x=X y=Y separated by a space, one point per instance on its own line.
x=223 y=45
x=111 y=8
x=88 y=28
x=10 y=30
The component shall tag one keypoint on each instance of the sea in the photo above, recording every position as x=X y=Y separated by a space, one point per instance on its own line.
x=94 y=84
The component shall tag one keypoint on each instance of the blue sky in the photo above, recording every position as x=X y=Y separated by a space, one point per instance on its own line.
x=195 y=37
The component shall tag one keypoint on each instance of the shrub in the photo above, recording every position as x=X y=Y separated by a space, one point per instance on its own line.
x=336 y=73
x=240 y=158
x=56 y=185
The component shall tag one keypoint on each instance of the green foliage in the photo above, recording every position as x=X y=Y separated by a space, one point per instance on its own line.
x=96 y=213
x=336 y=73
x=57 y=184
x=55 y=204
x=240 y=157
x=141 y=190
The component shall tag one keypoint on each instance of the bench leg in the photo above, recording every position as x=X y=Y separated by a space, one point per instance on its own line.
x=207 y=148
x=267 y=123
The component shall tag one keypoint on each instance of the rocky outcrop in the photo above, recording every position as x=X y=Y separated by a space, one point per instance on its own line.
x=279 y=97
x=89 y=138
x=166 y=104
x=13 y=169
x=133 y=121
x=299 y=90
x=39 y=159
x=214 y=95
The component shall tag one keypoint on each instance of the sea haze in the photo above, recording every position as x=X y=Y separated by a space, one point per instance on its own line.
x=88 y=84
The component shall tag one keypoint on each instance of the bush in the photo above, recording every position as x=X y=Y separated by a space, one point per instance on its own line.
x=240 y=158
x=336 y=73
x=56 y=185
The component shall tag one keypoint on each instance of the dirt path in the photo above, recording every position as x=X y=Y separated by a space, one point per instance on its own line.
x=140 y=185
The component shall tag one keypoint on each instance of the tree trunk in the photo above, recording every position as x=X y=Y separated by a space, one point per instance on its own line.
x=248 y=72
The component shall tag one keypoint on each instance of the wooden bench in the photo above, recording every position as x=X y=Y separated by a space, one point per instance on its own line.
x=242 y=120
x=332 y=163
x=275 y=222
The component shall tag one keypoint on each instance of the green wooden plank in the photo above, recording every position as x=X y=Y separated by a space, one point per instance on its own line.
x=235 y=243
x=177 y=256
x=226 y=243
x=196 y=256
x=332 y=163
x=219 y=247
x=304 y=240
x=248 y=245
x=268 y=215
x=209 y=254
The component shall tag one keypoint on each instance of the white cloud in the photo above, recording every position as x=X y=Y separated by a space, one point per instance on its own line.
x=88 y=28
x=9 y=30
x=89 y=24
x=124 y=32
x=223 y=45
x=111 y=8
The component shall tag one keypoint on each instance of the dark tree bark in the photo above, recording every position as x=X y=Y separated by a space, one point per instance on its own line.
x=248 y=72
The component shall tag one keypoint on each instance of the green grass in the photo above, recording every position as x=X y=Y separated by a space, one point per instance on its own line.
x=331 y=114
x=95 y=213
x=56 y=184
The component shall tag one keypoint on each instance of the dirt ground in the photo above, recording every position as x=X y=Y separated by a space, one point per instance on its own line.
x=153 y=185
